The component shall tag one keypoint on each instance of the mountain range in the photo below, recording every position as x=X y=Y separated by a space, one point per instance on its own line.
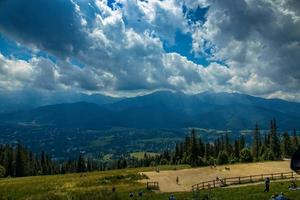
x=164 y=109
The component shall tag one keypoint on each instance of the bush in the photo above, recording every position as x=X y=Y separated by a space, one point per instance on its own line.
x=2 y=171
x=211 y=161
x=268 y=155
x=222 y=158
x=245 y=155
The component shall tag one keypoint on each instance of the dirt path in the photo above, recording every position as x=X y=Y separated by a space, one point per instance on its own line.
x=189 y=177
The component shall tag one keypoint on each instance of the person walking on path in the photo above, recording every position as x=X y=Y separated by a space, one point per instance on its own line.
x=267 y=185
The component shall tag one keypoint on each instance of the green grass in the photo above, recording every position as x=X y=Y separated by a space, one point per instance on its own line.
x=98 y=185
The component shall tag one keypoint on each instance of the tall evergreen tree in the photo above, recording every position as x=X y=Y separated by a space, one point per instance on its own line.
x=20 y=161
x=295 y=140
x=242 y=142
x=236 y=149
x=274 y=141
x=80 y=164
x=286 y=145
x=256 y=142
x=194 y=147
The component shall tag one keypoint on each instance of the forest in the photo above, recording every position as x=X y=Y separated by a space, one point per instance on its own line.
x=17 y=160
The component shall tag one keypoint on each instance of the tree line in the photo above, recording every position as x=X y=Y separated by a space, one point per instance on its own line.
x=17 y=160
x=270 y=146
x=197 y=152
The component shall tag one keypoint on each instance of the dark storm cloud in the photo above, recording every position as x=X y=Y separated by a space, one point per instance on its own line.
x=260 y=40
x=54 y=25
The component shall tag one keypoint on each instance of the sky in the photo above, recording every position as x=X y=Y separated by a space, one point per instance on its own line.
x=132 y=47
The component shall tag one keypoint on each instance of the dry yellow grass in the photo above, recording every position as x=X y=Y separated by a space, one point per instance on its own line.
x=189 y=177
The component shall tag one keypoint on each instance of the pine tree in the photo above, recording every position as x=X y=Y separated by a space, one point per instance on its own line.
x=236 y=149
x=177 y=152
x=217 y=147
x=194 y=148
x=80 y=164
x=228 y=147
x=8 y=160
x=286 y=145
x=201 y=147
x=242 y=142
x=274 y=141
x=44 y=164
x=295 y=140
x=20 y=161
x=256 y=142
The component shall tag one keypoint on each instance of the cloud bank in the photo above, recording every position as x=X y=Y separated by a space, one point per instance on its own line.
x=119 y=47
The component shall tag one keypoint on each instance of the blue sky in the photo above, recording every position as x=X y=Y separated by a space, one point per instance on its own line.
x=127 y=47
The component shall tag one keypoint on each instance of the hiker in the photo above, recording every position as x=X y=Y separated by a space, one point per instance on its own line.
x=177 y=180
x=267 y=185
x=172 y=197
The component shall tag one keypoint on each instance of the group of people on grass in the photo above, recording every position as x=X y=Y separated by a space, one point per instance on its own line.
x=280 y=196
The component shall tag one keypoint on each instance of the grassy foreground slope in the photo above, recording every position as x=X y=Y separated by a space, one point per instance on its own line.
x=98 y=185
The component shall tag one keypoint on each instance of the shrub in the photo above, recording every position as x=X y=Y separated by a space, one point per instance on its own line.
x=245 y=155
x=222 y=158
x=2 y=171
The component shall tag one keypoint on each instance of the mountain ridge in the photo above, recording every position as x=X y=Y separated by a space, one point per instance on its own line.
x=165 y=109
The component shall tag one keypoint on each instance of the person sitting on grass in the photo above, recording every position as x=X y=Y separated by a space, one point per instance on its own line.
x=131 y=195
x=172 y=197
x=140 y=194
x=281 y=197
x=293 y=186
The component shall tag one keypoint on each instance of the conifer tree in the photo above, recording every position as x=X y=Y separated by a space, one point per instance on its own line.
x=20 y=161
x=236 y=149
x=274 y=141
x=80 y=164
x=295 y=140
x=194 y=147
x=287 y=149
x=256 y=143
x=242 y=142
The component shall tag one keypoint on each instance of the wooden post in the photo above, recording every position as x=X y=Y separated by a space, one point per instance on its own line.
x=239 y=180
x=251 y=179
x=272 y=176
